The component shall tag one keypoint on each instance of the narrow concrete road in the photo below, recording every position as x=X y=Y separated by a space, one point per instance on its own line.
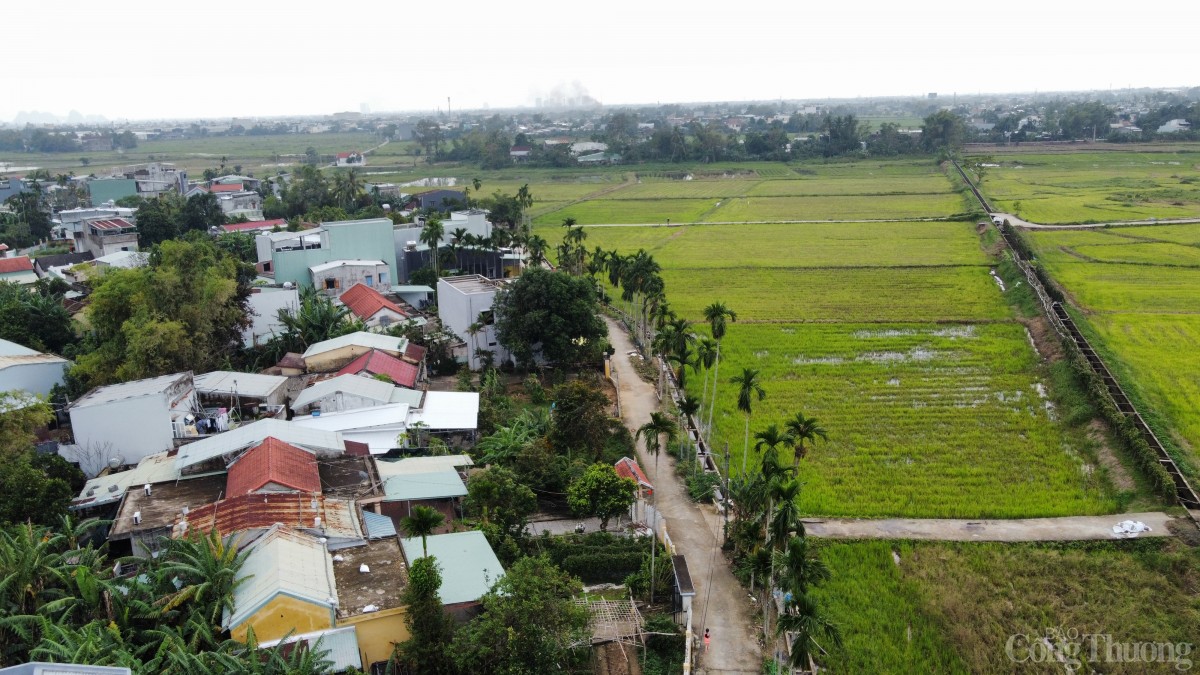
x=721 y=604
x=1070 y=528
x=1017 y=222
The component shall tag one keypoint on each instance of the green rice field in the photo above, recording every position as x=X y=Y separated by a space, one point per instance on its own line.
x=933 y=607
x=1096 y=187
x=1138 y=292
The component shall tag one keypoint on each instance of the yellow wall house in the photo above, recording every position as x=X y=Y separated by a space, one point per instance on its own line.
x=287 y=586
x=332 y=354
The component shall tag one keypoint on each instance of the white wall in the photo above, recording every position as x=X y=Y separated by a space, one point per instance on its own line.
x=459 y=310
x=266 y=305
x=132 y=428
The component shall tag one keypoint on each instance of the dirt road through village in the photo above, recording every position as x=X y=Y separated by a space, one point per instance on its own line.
x=721 y=604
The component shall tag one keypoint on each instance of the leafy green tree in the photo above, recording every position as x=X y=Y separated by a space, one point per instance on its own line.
x=158 y=220
x=549 y=314
x=430 y=628
x=528 y=622
x=422 y=523
x=580 y=421
x=943 y=131
x=29 y=207
x=500 y=499
x=184 y=311
x=602 y=493
x=35 y=319
x=201 y=212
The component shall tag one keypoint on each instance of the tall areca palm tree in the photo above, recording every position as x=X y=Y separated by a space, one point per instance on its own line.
x=804 y=619
x=770 y=439
x=652 y=432
x=802 y=433
x=748 y=387
x=431 y=235
x=535 y=250
x=688 y=407
x=421 y=522
x=706 y=356
x=718 y=316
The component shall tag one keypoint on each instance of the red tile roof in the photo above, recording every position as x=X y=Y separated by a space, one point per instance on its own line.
x=627 y=468
x=365 y=302
x=376 y=362
x=19 y=264
x=231 y=187
x=273 y=462
x=345 y=155
x=255 y=225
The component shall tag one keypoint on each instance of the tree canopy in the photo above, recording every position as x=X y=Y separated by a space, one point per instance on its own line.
x=600 y=492
x=549 y=314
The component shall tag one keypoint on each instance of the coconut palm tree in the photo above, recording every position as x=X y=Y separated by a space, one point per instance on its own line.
x=207 y=567
x=652 y=432
x=802 y=432
x=718 y=316
x=421 y=522
x=749 y=386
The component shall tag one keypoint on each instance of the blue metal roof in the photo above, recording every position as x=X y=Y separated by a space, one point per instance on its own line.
x=378 y=527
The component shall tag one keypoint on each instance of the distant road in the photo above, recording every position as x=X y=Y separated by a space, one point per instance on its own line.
x=1069 y=528
x=1017 y=222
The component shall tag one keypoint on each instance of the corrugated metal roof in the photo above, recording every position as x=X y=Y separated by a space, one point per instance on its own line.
x=128 y=390
x=43 y=668
x=448 y=410
x=340 y=645
x=628 y=468
x=31 y=359
x=251 y=434
x=392 y=345
x=103 y=490
x=283 y=562
x=392 y=415
x=469 y=566
x=431 y=485
x=111 y=224
x=245 y=384
x=8 y=348
x=158 y=468
x=358 y=385
x=364 y=302
x=412 y=465
x=293 y=509
x=17 y=264
x=378 y=526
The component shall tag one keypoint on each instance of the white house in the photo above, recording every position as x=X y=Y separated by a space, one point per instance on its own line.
x=465 y=301
x=339 y=275
x=354 y=158
x=264 y=304
x=132 y=420
x=1175 y=126
x=351 y=392
x=25 y=369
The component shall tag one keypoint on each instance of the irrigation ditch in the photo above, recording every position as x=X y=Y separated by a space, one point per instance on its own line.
x=1148 y=451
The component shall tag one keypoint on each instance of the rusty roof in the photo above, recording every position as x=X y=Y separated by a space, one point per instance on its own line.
x=293 y=509
x=273 y=462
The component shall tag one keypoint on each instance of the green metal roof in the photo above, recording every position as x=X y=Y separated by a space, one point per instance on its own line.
x=469 y=566
x=434 y=485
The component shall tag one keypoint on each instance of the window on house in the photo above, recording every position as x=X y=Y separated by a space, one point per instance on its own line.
x=267 y=266
x=369 y=279
x=330 y=284
x=383 y=278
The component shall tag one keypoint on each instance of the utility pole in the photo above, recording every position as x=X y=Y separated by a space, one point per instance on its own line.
x=725 y=492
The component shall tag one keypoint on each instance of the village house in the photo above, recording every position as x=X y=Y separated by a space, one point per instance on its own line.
x=265 y=303
x=369 y=305
x=102 y=237
x=405 y=372
x=468 y=564
x=465 y=308
x=350 y=392
x=330 y=355
x=17 y=270
x=290 y=257
x=353 y=158
x=334 y=276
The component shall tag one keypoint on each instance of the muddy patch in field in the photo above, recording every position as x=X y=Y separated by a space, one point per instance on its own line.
x=1098 y=433
x=1045 y=341
x=818 y=360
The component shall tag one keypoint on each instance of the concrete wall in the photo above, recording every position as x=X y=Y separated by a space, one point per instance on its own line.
x=374 y=276
x=370 y=239
x=265 y=306
x=334 y=360
x=459 y=310
x=282 y=615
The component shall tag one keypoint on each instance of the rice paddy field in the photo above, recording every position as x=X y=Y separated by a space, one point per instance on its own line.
x=1137 y=292
x=930 y=607
x=1096 y=187
x=896 y=336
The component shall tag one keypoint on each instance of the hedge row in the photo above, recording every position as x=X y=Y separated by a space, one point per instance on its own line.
x=600 y=568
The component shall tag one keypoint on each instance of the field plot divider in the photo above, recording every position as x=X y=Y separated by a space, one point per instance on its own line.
x=1065 y=326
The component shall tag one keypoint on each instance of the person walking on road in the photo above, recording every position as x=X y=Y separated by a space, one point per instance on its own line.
x=707 y=639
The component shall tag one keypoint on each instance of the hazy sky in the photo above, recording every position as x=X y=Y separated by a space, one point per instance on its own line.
x=125 y=59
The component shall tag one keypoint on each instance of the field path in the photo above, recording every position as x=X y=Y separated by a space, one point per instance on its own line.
x=1070 y=528
x=1017 y=222
x=721 y=602
x=773 y=222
